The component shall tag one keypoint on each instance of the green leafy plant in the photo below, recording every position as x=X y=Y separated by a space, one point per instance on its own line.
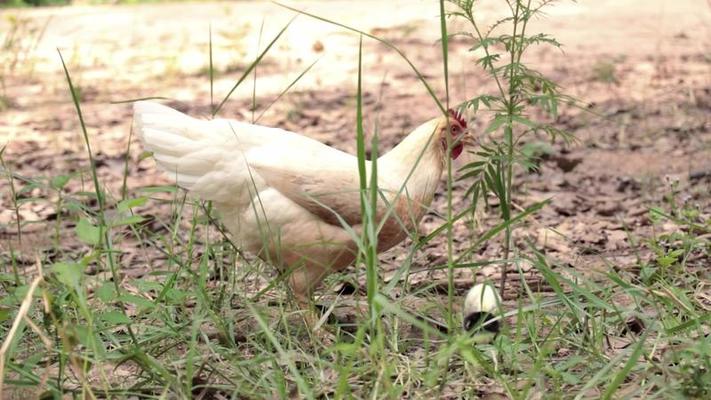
x=520 y=89
x=672 y=248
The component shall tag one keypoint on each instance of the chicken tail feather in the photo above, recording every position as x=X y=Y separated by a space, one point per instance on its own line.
x=183 y=146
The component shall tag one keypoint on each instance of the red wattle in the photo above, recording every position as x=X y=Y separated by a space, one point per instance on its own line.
x=457 y=150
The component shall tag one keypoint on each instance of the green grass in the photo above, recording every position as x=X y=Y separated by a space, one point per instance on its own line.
x=604 y=71
x=195 y=326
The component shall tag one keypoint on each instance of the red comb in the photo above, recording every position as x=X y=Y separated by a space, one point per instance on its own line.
x=458 y=117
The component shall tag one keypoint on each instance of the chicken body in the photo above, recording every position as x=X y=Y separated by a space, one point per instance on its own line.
x=292 y=200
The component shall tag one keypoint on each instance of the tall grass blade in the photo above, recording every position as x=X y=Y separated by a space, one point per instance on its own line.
x=450 y=267
x=286 y=90
x=104 y=235
x=211 y=71
x=625 y=371
x=420 y=76
x=92 y=162
x=140 y=99
x=254 y=75
x=249 y=69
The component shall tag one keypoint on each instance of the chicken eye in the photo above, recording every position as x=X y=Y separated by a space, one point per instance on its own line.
x=454 y=129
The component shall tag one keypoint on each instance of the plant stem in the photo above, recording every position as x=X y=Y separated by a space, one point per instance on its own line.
x=450 y=223
x=508 y=137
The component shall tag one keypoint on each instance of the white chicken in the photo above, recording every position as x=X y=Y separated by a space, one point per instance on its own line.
x=285 y=197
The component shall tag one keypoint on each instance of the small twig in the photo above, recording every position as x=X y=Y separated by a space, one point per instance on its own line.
x=45 y=340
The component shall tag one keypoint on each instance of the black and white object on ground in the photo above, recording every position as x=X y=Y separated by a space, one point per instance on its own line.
x=481 y=306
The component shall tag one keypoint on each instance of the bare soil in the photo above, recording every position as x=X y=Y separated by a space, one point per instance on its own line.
x=643 y=68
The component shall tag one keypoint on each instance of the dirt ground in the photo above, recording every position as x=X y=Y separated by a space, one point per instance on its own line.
x=644 y=68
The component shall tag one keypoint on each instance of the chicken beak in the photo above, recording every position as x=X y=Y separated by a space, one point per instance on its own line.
x=466 y=138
